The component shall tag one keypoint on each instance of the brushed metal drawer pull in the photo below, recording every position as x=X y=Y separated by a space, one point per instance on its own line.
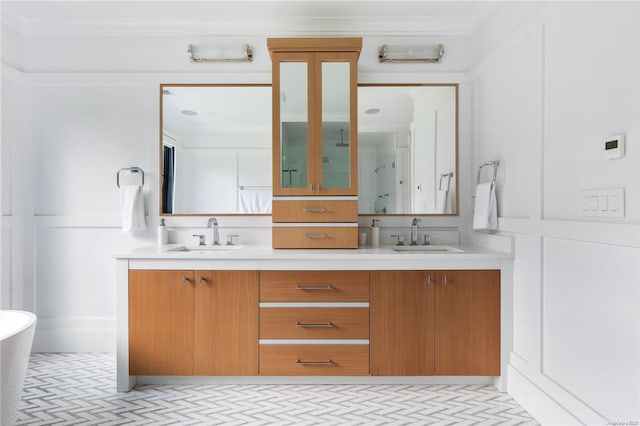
x=315 y=236
x=444 y=279
x=185 y=279
x=314 y=325
x=327 y=362
x=315 y=287
x=314 y=209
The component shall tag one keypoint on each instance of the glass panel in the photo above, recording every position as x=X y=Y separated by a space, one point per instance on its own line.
x=294 y=123
x=335 y=125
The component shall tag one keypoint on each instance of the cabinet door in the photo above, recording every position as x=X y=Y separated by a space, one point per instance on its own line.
x=337 y=130
x=402 y=323
x=293 y=110
x=468 y=323
x=226 y=323
x=161 y=323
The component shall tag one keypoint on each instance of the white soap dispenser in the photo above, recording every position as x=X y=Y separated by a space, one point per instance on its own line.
x=163 y=233
x=375 y=233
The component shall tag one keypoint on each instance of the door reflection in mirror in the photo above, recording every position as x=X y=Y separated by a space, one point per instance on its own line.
x=407 y=139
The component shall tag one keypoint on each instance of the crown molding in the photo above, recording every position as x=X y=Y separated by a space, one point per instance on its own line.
x=283 y=26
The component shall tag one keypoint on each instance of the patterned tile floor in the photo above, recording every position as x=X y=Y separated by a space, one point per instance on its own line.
x=79 y=389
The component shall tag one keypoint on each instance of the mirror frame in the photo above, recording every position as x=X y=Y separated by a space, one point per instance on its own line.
x=161 y=154
x=457 y=126
x=457 y=138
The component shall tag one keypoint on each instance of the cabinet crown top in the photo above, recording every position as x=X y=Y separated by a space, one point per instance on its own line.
x=328 y=44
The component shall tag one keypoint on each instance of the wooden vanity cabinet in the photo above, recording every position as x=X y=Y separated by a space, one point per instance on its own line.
x=445 y=323
x=193 y=322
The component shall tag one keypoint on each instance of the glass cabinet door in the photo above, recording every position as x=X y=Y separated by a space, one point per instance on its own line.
x=292 y=105
x=337 y=138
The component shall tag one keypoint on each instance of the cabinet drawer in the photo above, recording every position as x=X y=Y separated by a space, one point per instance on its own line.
x=315 y=237
x=314 y=323
x=314 y=286
x=314 y=360
x=315 y=211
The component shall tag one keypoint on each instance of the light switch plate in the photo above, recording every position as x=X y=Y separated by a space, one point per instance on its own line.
x=602 y=202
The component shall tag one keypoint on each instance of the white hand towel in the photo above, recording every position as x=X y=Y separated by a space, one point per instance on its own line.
x=441 y=201
x=485 y=215
x=132 y=208
x=255 y=200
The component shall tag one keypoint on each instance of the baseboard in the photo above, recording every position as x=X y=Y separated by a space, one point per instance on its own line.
x=537 y=403
x=75 y=335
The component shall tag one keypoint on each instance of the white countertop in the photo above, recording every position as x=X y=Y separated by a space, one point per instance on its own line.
x=264 y=257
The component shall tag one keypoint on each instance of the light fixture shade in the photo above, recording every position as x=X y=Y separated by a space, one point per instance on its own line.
x=411 y=53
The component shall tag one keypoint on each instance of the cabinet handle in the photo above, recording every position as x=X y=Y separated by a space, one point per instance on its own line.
x=327 y=362
x=201 y=279
x=314 y=325
x=314 y=209
x=428 y=279
x=444 y=279
x=315 y=287
x=315 y=236
x=318 y=187
x=185 y=279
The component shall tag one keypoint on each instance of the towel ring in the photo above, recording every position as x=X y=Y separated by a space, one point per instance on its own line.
x=132 y=170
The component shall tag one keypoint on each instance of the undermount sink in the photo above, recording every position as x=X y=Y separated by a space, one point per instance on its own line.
x=425 y=249
x=208 y=249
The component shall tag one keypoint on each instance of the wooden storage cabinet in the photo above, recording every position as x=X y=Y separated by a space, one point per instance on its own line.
x=193 y=322
x=445 y=323
x=290 y=320
x=315 y=133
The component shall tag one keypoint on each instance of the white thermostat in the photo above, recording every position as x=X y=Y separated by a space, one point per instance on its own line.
x=614 y=147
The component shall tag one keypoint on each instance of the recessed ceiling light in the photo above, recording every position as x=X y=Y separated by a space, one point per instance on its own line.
x=372 y=111
x=189 y=112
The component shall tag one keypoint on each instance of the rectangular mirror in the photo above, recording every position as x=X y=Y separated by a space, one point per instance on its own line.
x=216 y=155
x=407 y=149
x=216 y=149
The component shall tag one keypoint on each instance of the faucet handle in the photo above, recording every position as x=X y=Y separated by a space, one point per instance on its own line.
x=230 y=239
x=200 y=239
x=427 y=240
x=400 y=238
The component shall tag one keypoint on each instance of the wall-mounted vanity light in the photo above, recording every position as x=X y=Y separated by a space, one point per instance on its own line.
x=407 y=54
x=248 y=56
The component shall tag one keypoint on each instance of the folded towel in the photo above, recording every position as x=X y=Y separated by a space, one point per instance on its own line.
x=255 y=200
x=485 y=215
x=441 y=201
x=132 y=208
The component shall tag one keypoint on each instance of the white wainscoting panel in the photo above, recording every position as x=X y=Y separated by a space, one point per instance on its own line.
x=591 y=324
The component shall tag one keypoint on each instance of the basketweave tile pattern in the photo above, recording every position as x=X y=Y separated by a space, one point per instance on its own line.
x=79 y=389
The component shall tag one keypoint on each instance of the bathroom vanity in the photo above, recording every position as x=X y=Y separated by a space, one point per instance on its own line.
x=259 y=315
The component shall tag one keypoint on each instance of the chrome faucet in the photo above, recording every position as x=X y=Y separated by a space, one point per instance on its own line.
x=414 y=231
x=213 y=223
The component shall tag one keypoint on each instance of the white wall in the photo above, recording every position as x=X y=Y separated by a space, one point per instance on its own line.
x=86 y=104
x=544 y=99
